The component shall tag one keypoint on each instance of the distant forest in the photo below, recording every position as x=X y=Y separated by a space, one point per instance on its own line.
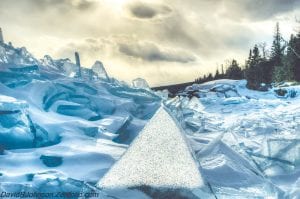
x=262 y=68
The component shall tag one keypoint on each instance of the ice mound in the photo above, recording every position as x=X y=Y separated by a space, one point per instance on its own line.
x=159 y=157
x=17 y=56
x=54 y=122
x=140 y=83
x=16 y=127
x=218 y=88
x=53 y=64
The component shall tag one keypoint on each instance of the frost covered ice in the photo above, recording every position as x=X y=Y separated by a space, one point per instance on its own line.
x=158 y=157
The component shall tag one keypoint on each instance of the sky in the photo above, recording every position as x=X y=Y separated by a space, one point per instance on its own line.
x=162 y=41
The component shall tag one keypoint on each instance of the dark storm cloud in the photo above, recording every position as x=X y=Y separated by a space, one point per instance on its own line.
x=146 y=10
x=151 y=52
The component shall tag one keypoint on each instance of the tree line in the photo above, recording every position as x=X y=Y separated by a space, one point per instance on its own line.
x=262 y=68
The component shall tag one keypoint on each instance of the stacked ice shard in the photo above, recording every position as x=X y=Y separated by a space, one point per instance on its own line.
x=99 y=69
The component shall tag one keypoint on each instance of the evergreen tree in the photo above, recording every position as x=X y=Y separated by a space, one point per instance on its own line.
x=249 y=59
x=266 y=70
x=217 y=74
x=290 y=60
x=296 y=67
x=256 y=58
x=293 y=56
x=234 y=71
x=222 y=75
x=254 y=71
x=277 y=54
x=210 y=77
x=283 y=64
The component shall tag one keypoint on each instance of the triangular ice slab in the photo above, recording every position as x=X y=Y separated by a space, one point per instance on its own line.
x=158 y=157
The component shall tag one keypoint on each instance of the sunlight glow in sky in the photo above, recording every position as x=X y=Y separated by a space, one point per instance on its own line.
x=162 y=41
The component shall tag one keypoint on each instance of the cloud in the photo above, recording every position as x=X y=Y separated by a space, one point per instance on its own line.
x=147 y=10
x=151 y=52
x=192 y=35
x=63 y=5
x=48 y=7
x=256 y=10
x=85 y=5
x=90 y=50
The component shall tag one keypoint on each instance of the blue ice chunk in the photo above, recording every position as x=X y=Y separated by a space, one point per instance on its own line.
x=78 y=111
x=91 y=131
x=51 y=161
x=48 y=102
x=17 y=129
x=128 y=131
x=86 y=88
x=13 y=80
x=25 y=69
x=80 y=99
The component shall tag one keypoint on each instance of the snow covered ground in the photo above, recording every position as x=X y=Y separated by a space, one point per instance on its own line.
x=247 y=142
x=62 y=131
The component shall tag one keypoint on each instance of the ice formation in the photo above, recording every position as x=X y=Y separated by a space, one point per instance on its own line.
x=11 y=104
x=71 y=70
x=100 y=71
x=158 y=157
x=140 y=83
x=1 y=36
x=59 y=133
x=15 y=126
x=49 y=116
x=17 y=129
x=19 y=56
